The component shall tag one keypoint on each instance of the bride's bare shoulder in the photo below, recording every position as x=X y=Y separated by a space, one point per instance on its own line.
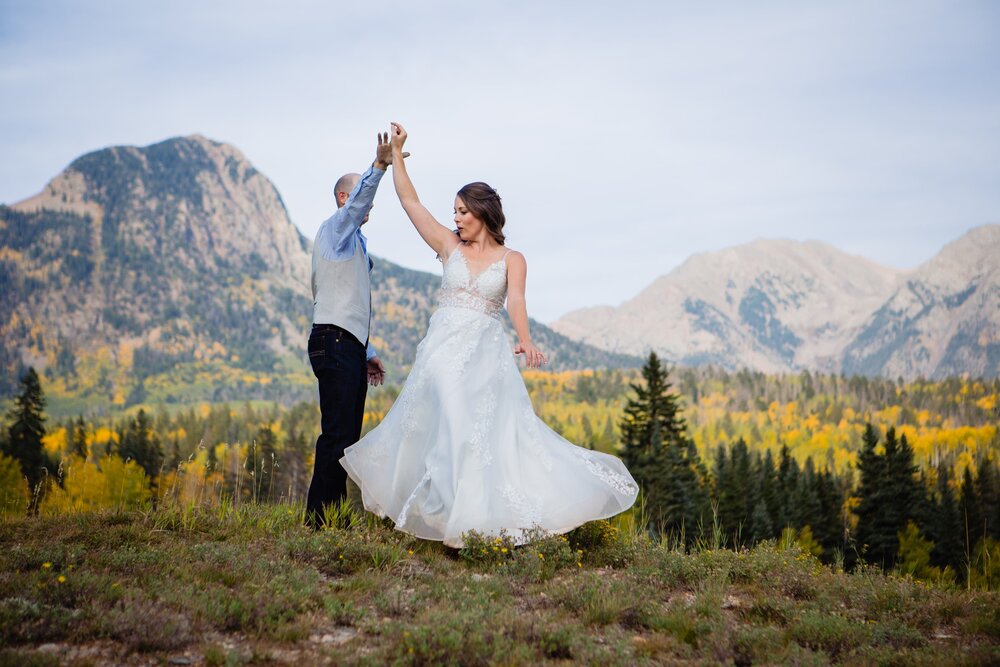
x=515 y=261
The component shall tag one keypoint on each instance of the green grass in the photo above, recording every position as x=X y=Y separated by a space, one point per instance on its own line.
x=248 y=584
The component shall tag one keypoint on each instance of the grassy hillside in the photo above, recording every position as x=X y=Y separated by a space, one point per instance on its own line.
x=231 y=586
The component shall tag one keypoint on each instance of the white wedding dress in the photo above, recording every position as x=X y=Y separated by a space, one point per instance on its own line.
x=462 y=449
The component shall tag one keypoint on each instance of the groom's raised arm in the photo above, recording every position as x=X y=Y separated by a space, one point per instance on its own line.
x=348 y=218
x=337 y=234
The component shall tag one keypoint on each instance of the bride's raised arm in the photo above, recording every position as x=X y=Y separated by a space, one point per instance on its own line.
x=441 y=239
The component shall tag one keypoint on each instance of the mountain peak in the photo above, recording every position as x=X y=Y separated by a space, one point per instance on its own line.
x=178 y=246
x=771 y=304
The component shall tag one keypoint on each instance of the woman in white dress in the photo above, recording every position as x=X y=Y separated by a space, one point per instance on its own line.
x=462 y=449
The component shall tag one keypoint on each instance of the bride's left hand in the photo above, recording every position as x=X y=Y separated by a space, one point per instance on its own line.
x=533 y=357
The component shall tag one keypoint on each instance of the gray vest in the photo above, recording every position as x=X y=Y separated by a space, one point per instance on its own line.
x=342 y=292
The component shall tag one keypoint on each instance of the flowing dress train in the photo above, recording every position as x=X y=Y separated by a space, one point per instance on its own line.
x=462 y=448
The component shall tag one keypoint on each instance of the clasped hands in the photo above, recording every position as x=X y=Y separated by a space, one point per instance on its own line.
x=383 y=151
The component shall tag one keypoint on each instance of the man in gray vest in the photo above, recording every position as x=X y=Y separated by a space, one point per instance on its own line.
x=342 y=358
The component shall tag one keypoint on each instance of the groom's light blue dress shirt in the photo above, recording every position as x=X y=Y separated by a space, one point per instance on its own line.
x=337 y=234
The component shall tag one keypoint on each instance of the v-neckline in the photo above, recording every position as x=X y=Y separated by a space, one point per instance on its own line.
x=468 y=267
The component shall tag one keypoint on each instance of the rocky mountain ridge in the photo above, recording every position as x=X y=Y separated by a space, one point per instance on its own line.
x=785 y=306
x=172 y=272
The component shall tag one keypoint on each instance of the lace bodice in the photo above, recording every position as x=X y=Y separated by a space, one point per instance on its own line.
x=484 y=292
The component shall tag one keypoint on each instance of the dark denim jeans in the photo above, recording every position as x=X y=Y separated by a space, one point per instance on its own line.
x=339 y=363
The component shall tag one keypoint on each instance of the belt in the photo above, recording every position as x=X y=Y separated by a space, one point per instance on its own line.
x=329 y=327
x=338 y=329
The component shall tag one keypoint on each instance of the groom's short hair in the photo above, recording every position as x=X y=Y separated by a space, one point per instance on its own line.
x=345 y=184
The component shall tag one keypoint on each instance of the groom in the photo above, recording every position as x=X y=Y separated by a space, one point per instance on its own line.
x=342 y=359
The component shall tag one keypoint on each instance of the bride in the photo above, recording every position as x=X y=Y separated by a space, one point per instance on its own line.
x=462 y=449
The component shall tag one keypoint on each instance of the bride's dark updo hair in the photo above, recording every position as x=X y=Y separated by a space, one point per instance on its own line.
x=484 y=203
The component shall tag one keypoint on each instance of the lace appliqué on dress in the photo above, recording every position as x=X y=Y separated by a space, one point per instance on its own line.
x=528 y=510
x=483 y=425
x=617 y=481
x=484 y=294
x=534 y=435
x=401 y=519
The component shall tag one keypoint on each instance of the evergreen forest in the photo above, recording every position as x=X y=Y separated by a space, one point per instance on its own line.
x=901 y=475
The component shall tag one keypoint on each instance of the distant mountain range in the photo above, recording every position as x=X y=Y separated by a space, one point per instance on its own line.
x=785 y=306
x=172 y=273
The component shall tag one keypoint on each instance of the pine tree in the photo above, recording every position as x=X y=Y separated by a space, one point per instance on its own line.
x=871 y=541
x=175 y=455
x=761 y=522
x=786 y=478
x=828 y=527
x=661 y=457
x=768 y=476
x=140 y=444
x=652 y=419
x=26 y=430
x=970 y=511
x=889 y=495
x=744 y=492
x=988 y=490
x=807 y=497
x=946 y=529
x=78 y=438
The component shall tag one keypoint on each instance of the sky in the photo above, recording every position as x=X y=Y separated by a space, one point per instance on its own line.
x=623 y=137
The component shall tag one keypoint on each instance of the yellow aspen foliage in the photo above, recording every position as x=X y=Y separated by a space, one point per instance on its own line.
x=102 y=435
x=55 y=442
x=788 y=415
x=126 y=355
x=191 y=484
x=988 y=403
x=851 y=503
x=964 y=461
x=812 y=422
x=111 y=484
x=14 y=494
x=803 y=538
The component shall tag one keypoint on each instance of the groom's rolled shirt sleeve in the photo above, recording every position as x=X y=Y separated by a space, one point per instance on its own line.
x=339 y=239
x=370 y=352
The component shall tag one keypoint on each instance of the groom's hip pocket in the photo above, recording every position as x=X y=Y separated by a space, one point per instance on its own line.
x=333 y=348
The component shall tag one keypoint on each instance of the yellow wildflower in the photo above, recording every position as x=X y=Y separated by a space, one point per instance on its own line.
x=62 y=579
x=46 y=566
